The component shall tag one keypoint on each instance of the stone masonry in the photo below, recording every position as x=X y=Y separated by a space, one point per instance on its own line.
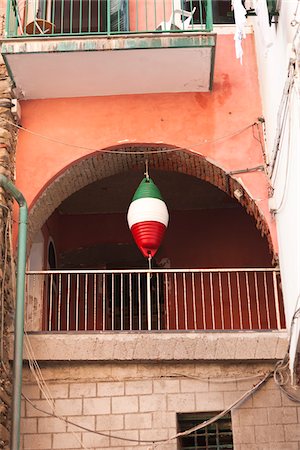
x=140 y=402
x=7 y=156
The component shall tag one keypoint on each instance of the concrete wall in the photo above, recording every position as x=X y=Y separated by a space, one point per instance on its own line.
x=140 y=402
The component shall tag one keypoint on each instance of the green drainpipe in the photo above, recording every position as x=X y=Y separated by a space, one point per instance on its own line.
x=8 y=186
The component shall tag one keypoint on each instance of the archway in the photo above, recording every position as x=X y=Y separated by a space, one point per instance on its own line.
x=124 y=158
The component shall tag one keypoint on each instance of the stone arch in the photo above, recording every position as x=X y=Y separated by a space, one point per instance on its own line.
x=110 y=162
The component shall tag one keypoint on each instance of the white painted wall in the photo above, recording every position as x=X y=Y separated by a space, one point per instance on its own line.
x=275 y=47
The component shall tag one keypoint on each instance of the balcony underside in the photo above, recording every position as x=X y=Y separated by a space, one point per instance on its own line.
x=54 y=68
x=159 y=346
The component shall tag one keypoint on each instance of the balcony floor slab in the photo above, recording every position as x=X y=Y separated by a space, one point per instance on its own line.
x=114 y=65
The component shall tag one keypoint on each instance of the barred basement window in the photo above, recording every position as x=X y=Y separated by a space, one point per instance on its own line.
x=217 y=436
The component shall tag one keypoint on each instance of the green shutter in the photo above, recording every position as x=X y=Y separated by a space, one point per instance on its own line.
x=119 y=15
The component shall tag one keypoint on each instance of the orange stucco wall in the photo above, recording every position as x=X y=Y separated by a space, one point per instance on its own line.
x=183 y=120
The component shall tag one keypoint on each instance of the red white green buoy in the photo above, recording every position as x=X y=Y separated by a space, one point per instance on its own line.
x=147 y=217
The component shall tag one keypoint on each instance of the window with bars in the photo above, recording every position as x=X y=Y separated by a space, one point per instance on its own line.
x=217 y=436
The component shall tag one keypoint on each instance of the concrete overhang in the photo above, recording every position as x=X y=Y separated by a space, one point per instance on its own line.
x=47 y=67
x=158 y=346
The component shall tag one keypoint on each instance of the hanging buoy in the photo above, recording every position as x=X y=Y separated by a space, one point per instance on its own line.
x=147 y=217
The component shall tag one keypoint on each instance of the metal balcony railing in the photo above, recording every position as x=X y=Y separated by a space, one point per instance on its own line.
x=136 y=300
x=105 y=17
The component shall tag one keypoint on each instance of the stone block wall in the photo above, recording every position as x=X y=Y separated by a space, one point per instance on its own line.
x=140 y=402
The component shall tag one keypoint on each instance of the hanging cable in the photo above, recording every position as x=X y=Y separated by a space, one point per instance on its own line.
x=130 y=152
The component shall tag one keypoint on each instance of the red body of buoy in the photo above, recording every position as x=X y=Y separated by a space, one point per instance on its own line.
x=148 y=236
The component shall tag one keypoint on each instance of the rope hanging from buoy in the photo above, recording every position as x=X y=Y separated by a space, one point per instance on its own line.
x=148 y=217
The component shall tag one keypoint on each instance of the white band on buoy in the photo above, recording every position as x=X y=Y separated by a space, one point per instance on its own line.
x=147 y=209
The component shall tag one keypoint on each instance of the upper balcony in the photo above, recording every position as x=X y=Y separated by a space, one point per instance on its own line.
x=73 y=48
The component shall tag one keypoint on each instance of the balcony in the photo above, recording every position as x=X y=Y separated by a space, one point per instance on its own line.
x=156 y=300
x=73 y=48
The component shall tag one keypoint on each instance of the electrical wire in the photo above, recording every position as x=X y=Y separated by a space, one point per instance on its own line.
x=289 y=117
x=217 y=380
x=129 y=152
x=7 y=231
x=206 y=423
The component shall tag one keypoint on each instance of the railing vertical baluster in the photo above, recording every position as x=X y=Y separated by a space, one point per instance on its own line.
x=212 y=300
x=122 y=303
x=68 y=302
x=62 y=11
x=59 y=303
x=248 y=301
x=275 y=287
x=155 y=16
x=95 y=278
x=149 y=313
x=99 y=16
x=230 y=299
x=164 y=8
x=71 y=16
x=176 y=301
x=146 y=15
x=130 y=302
x=203 y=301
x=209 y=16
x=239 y=300
x=137 y=15
x=80 y=16
x=201 y=14
x=112 y=302
x=86 y=301
x=158 y=300
x=167 y=304
x=103 y=302
x=8 y=18
x=50 y=303
x=257 y=301
x=108 y=17
x=267 y=299
x=89 y=16
x=221 y=301
x=139 y=302
x=53 y=15
x=184 y=302
x=77 y=303
x=27 y=305
x=194 y=301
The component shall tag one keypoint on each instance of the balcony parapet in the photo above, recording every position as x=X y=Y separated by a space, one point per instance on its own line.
x=159 y=346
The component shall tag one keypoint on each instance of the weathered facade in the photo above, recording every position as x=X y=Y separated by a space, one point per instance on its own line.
x=118 y=354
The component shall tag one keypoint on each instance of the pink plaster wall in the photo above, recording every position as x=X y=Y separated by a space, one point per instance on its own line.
x=183 y=120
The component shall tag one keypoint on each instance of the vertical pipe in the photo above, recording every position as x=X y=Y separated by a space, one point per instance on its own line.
x=19 y=312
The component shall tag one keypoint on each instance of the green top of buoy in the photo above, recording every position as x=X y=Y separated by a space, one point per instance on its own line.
x=147 y=189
